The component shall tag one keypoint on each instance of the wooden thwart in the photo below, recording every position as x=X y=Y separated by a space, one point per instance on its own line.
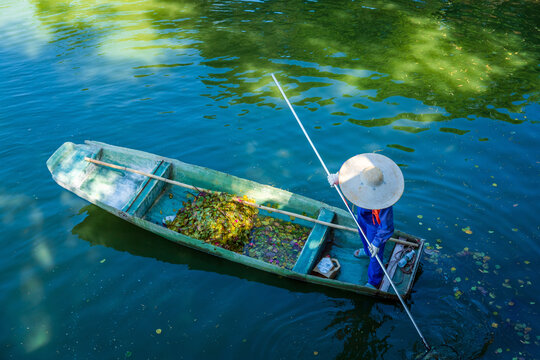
x=262 y=207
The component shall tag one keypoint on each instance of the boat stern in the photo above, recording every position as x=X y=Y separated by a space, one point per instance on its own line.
x=68 y=166
x=99 y=185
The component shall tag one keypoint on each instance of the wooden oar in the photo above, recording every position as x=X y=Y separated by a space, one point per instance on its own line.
x=262 y=207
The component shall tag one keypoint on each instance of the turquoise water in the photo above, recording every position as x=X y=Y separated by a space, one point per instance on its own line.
x=449 y=90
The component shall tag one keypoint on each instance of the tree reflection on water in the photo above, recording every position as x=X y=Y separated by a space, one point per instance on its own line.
x=460 y=59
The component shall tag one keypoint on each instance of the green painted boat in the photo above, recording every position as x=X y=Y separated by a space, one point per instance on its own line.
x=145 y=201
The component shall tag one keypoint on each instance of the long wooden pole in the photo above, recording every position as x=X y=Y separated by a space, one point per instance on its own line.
x=262 y=207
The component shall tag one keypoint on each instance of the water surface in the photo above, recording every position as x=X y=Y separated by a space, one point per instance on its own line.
x=449 y=90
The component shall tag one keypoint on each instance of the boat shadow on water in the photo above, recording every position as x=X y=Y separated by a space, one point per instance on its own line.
x=359 y=319
x=351 y=325
x=355 y=323
x=102 y=228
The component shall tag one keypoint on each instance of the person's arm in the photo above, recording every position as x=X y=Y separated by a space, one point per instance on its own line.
x=386 y=229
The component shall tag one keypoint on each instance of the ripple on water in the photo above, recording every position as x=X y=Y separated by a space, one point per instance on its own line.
x=448 y=91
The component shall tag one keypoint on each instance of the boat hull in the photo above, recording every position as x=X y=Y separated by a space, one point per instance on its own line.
x=144 y=202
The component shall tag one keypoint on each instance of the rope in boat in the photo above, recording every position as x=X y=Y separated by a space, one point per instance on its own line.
x=354 y=218
x=408 y=267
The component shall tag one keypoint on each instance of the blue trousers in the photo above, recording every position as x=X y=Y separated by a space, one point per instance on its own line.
x=375 y=273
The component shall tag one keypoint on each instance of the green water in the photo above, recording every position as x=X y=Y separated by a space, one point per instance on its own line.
x=449 y=90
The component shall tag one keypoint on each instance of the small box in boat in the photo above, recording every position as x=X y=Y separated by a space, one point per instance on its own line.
x=327 y=267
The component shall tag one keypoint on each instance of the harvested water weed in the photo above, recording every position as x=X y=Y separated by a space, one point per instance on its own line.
x=277 y=242
x=223 y=220
x=216 y=218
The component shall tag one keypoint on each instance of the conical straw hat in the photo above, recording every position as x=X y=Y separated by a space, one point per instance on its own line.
x=371 y=181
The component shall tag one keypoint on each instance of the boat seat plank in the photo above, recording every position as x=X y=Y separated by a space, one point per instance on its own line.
x=314 y=244
x=148 y=192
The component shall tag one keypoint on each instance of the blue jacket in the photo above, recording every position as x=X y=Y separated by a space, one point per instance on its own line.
x=377 y=233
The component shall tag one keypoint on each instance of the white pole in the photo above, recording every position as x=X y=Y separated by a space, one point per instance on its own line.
x=350 y=212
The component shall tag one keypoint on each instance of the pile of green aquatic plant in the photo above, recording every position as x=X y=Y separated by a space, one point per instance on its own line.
x=277 y=242
x=224 y=220
x=220 y=219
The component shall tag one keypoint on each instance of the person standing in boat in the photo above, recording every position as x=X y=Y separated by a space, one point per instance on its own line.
x=373 y=183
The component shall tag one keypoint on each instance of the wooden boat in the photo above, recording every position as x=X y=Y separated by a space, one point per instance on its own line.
x=146 y=200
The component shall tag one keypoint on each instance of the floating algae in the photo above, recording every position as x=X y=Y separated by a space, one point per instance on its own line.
x=277 y=242
x=216 y=218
